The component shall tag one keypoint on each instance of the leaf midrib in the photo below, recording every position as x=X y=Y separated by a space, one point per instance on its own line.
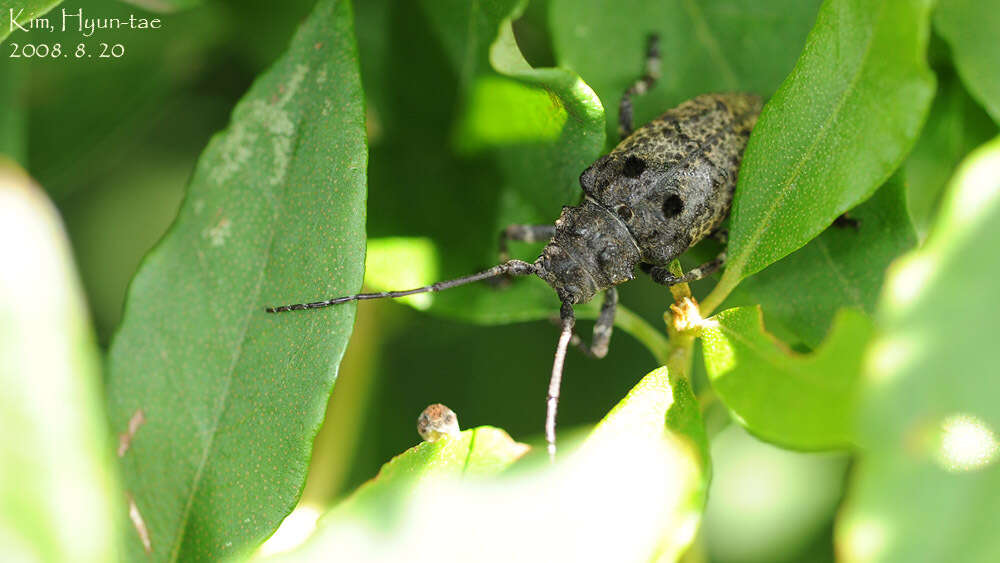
x=237 y=354
x=737 y=264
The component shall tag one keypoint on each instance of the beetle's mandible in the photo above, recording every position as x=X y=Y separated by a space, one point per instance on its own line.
x=665 y=187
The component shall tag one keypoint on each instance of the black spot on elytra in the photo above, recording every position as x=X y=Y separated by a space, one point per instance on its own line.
x=672 y=206
x=633 y=167
x=721 y=106
x=624 y=211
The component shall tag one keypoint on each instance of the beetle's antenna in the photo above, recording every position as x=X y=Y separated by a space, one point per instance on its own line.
x=509 y=268
x=552 y=402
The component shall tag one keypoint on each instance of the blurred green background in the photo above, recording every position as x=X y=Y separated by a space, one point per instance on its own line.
x=114 y=143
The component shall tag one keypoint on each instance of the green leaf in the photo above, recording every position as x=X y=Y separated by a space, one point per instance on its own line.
x=835 y=130
x=546 y=174
x=520 y=139
x=971 y=29
x=661 y=405
x=924 y=489
x=480 y=452
x=656 y=399
x=793 y=400
x=843 y=267
x=955 y=126
x=632 y=464
x=58 y=496
x=18 y=13
x=706 y=46
x=232 y=396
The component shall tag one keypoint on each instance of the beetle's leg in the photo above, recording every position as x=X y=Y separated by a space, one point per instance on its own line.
x=663 y=276
x=524 y=233
x=639 y=87
x=844 y=221
x=602 y=328
x=567 y=320
x=720 y=235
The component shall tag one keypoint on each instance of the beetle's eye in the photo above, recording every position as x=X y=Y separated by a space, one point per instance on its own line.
x=624 y=211
x=672 y=206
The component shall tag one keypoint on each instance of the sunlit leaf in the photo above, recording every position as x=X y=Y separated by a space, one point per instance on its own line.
x=795 y=400
x=476 y=453
x=929 y=423
x=58 y=496
x=661 y=405
x=835 y=130
x=632 y=464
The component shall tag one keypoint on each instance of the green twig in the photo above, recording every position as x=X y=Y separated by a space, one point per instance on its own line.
x=651 y=338
x=719 y=293
x=681 y=336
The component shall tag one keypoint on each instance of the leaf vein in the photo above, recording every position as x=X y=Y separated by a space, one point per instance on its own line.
x=704 y=33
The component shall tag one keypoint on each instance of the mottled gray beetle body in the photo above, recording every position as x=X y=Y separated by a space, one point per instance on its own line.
x=660 y=191
x=665 y=187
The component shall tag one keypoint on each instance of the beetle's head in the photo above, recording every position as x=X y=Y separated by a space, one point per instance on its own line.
x=590 y=252
x=572 y=282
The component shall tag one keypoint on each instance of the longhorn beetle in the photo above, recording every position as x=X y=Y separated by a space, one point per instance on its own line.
x=665 y=187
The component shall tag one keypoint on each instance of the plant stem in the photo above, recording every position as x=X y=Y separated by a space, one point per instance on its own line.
x=679 y=362
x=651 y=338
x=681 y=341
x=719 y=293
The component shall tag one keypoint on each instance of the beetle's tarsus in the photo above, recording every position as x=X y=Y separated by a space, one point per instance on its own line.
x=663 y=276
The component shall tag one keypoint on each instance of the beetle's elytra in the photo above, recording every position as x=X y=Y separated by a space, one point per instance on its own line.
x=665 y=187
x=661 y=190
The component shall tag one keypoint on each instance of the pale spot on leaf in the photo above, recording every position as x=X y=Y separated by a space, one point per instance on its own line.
x=125 y=438
x=218 y=234
x=140 y=525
